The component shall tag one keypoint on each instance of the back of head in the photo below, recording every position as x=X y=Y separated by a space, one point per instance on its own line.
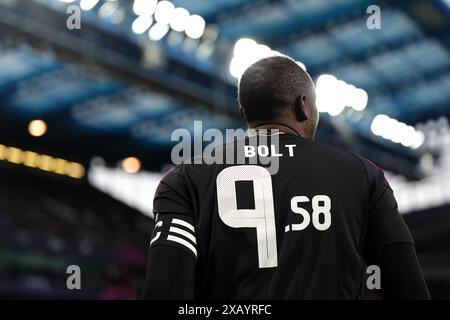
x=271 y=86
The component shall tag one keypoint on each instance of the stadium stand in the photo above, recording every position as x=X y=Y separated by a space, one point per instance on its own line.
x=48 y=223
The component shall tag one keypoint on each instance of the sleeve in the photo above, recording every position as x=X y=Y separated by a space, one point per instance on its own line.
x=401 y=275
x=389 y=243
x=173 y=246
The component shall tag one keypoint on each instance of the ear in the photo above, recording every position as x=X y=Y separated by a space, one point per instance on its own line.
x=241 y=110
x=300 y=108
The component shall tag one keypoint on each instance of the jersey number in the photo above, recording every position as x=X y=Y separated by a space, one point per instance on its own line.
x=262 y=217
x=321 y=205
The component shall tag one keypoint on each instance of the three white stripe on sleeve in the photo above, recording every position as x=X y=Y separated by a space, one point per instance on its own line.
x=188 y=235
x=175 y=231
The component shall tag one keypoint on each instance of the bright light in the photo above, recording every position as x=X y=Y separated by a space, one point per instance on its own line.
x=3 y=152
x=46 y=163
x=325 y=79
x=361 y=99
x=30 y=159
x=14 y=155
x=246 y=52
x=74 y=170
x=158 y=31
x=42 y=162
x=195 y=27
x=141 y=24
x=334 y=95
x=237 y=67
x=243 y=46
x=144 y=7
x=397 y=132
x=244 y=56
x=301 y=65
x=325 y=88
x=419 y=139
x=164 y=12
x=67 y=1
x=37 y=128
x=166 y=15
x=336 y=110
x=131 y=165
x=180 y=19
x=88 y=5
x=379 y=123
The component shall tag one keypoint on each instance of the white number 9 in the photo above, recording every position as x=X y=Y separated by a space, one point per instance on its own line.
x=262 y=217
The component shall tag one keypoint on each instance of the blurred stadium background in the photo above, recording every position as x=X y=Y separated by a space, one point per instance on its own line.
x=87 y=116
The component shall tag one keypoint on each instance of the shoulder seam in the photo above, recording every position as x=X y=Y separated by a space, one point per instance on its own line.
x=363 y=164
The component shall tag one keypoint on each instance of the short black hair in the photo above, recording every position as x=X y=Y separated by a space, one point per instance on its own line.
x=270 y=86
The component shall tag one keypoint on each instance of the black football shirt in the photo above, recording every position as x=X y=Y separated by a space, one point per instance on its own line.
x=299 y=231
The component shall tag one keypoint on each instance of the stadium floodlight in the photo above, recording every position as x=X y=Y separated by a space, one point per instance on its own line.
x=419 y=139
x=324 y=91
x=397 y=132
x=158 y=31
x=246 y=52
x=301 y=65
x=179 y=20
x=164 y=12
x=131 y=165
x=144 y=7
x=142 y=24
x=334 y=95
x=361 y=99
x=378 y=124
x=88 y=5
x=195 y=27
x=243 y=46
x=167 y=17
x=37 y=128
x=41 y=162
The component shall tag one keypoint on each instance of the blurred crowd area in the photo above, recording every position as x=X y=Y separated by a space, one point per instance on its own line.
x=48 y=223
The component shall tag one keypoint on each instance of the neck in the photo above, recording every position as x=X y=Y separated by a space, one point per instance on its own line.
x=279 y=126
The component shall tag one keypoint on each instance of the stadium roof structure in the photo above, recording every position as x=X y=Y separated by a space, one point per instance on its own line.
x=105 y=90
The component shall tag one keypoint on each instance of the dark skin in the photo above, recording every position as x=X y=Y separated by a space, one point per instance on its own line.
x=304 y=125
